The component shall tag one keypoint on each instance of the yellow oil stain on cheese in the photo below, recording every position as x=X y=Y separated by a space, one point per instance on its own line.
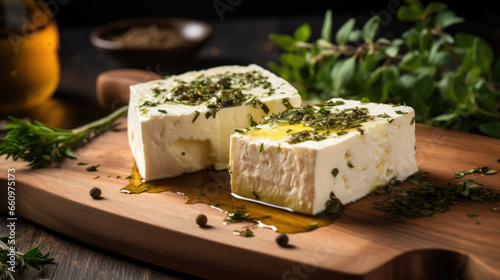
x=282 y=131
x=276 y=132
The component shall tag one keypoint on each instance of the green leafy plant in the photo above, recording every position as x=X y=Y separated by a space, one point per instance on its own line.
x=41 y=144
x=33 y=258
x=448 y=79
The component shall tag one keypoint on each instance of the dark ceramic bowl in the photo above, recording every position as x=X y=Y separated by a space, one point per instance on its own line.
x=195 y=32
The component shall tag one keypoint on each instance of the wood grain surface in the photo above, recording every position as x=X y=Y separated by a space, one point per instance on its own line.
x=361 y=244
x=77 y=260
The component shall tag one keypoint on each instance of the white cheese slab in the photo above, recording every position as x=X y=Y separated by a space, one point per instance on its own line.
x=300 y=176
x=172 y=143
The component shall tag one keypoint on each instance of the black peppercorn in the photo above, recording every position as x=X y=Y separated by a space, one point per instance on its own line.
x=95 y=192
x=201 y=220
x=282 y=240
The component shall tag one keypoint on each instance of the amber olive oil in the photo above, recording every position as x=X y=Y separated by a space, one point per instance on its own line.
x=213 y=188
x=29 y=66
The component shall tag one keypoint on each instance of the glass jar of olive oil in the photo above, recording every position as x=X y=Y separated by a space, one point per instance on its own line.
x=29 y=62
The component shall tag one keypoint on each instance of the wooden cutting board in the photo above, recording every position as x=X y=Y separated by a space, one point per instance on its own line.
x=363 y=243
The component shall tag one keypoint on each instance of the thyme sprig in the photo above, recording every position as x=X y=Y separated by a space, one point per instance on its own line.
x=40 y=144
x=34 y=258
x=448 y=79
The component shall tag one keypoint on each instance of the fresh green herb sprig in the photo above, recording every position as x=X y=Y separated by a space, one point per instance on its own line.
x=34 y=258
x=40 y=144
x=448 y=79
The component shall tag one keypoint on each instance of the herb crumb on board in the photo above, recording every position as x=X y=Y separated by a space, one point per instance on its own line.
x=428 y=198
x=92 y=168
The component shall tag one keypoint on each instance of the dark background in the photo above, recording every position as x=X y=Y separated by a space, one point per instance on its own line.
x=481 y=16
x=241 y=29
x=78 y=12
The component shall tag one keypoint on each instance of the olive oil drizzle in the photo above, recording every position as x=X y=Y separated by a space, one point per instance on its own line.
x=212 y=188
x=316 y=122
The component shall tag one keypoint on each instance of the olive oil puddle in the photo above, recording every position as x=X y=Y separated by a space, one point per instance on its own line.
x=213 y=188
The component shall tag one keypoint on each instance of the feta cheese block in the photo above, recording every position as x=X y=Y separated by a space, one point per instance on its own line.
x=300 y=157
x=183 y=123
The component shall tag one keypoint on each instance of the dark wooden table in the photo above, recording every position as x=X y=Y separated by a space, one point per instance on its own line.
x=242 y=41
